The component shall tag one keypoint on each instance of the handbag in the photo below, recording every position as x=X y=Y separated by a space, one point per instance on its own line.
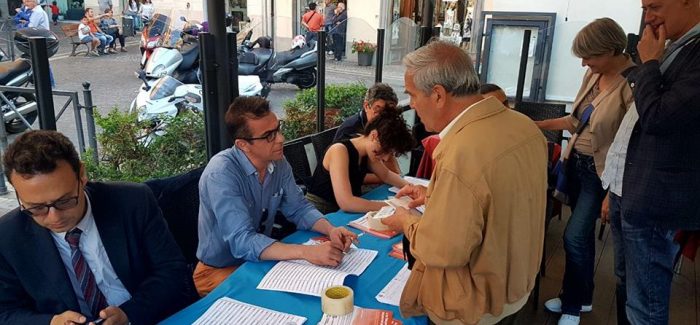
x=562 y=190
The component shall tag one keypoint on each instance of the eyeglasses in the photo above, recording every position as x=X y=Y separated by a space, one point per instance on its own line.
x=43 y=209
x=270 y=136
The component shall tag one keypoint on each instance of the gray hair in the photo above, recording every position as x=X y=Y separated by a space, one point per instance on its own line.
x=601 y=36
x=441 y=63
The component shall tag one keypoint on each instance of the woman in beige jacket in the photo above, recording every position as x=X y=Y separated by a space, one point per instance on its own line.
x=605 y=91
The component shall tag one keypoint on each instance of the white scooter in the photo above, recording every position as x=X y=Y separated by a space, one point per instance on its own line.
x=169 y=96
x=181 y=63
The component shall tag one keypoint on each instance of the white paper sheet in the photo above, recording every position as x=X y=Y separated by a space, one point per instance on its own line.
x=302 y=277
x=230 y=311
x=338 y=320
x=391 y=294
x=412 y=180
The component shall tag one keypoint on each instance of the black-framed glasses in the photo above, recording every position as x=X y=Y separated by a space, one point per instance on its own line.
x=43 y=209
x=270 y=136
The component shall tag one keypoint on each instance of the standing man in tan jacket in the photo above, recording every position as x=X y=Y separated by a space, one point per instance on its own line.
x=479 y=243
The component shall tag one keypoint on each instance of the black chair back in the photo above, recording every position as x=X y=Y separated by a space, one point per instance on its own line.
x=322 y=141
x=295 y=152
x=544 y=111
x=178 y=198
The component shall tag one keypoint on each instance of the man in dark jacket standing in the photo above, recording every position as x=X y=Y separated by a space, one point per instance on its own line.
x=662 y=171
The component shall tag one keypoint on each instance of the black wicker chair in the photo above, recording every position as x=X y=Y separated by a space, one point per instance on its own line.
x=322 y=141
x=295 y=152
x=544 y=111
x=178 y=198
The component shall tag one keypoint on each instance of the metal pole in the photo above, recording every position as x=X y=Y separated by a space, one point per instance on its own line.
x=211 y=100
x=233 y=64
x=523 y=67
x=42 y=83
x=90 y=117
x=380 y=55
x=3 y=148
x=426 y=21
x=216 y=13
x=10 y=36
x=321 y=81
x=78 y=122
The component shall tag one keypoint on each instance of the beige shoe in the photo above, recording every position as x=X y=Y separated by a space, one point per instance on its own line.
x=123 y=49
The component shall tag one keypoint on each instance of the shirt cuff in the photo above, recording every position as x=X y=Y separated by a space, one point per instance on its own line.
x=409 y=225
x=310 y=219
x=258 y=245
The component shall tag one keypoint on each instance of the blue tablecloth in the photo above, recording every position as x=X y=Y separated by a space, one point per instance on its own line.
x=241 y=285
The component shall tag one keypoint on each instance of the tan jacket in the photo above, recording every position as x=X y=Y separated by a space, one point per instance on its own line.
x=479 y=243
x=610 y=107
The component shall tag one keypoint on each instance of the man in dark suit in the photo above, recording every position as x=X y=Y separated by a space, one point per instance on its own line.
x=661 y=183
x=76 y=251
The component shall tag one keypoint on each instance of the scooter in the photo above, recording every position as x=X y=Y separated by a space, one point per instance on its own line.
x=181 y=63
x=153 y=36
x=17 y=107
x=296 y=66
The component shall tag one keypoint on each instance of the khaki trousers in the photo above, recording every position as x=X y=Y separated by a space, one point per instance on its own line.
x=207 y=278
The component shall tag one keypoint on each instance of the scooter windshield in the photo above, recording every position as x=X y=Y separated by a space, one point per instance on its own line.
x=164 y=87
x=160 y=24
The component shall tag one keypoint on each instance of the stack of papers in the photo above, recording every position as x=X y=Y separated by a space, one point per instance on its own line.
x=299 y=276
x=362 y=316
x=391 y=294
x=230 y=311
x=412 y=180
x=362 y=224
x=397 y=251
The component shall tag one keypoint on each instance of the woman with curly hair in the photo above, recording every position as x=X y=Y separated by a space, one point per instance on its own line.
x=337 y=181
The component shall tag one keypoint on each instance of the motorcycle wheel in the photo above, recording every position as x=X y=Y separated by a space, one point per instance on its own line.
x=16 y=125
x=306 y=83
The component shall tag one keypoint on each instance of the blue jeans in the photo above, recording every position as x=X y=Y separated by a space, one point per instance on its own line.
x=649 y=255
x=579 y=235
x=615 y=204
x=104 y=40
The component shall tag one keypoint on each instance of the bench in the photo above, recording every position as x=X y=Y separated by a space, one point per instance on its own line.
x=71 y=31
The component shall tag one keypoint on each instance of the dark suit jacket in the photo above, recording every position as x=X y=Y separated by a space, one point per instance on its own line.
x=34 y=284
x=661 y=185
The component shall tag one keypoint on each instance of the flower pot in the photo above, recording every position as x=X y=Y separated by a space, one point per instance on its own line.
x=364 y=59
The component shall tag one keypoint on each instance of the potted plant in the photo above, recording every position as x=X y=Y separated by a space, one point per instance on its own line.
x=365 y=52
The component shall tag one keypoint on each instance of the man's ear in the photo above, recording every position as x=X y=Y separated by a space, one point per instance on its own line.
x=83 y=174
x=439 y=95
x=365 y=105
x=241 y=144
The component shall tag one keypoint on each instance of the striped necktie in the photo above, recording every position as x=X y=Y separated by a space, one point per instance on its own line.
x=91 y=293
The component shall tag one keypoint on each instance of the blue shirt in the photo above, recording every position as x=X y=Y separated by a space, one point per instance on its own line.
x=233 y=202
x=97 y=260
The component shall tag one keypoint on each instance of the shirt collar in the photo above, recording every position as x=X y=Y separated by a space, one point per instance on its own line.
x=244 y=162
x=447 y=129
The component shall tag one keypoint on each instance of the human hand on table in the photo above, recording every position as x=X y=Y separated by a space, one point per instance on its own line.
x=415 y=192
x=324 y=254
x=396 y=221
x=342 y=238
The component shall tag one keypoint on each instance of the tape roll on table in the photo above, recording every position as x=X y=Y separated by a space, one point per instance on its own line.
x=337 y=301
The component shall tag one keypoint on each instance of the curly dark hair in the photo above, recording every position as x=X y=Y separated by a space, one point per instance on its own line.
x=384 y=92
x=241 y=110
x=38 y=152
x=394 y=135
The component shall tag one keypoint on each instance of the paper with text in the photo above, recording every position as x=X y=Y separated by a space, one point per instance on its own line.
x=412 y=180
x=361 y=316
x=391 y=294
x=229 y=311
x=300 y=276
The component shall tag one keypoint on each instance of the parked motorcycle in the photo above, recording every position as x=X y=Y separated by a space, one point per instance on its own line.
x=153 y=35
x=20 y=107
x=181 y=62
x=296 y=66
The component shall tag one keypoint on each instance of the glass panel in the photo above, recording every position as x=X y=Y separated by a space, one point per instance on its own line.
x=504 y=58
x=401 y=37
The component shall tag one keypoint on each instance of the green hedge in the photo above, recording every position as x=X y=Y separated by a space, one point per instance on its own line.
x=341 y=101
x=125 y=157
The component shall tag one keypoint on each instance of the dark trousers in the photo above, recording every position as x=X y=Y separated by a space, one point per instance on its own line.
x=579 y=235
x=339 y=46
x=116 y=35
x=615 y=203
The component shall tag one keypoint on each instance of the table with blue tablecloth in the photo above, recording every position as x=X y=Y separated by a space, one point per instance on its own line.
x=241 y=285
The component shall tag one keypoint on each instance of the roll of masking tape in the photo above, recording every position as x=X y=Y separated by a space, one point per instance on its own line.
x=337 y=301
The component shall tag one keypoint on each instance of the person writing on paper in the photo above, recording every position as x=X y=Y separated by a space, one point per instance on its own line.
x=377 y=98
x=478 y=245
x=242 y=189
x=604 y=90
x=75 y=251
x=337 y=181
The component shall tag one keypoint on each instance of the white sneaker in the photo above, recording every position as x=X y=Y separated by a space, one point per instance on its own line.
x=554 y=305
x=569 y=320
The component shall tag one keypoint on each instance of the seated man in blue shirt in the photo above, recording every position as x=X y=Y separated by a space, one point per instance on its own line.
x=377 y=98
x=241 y=190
